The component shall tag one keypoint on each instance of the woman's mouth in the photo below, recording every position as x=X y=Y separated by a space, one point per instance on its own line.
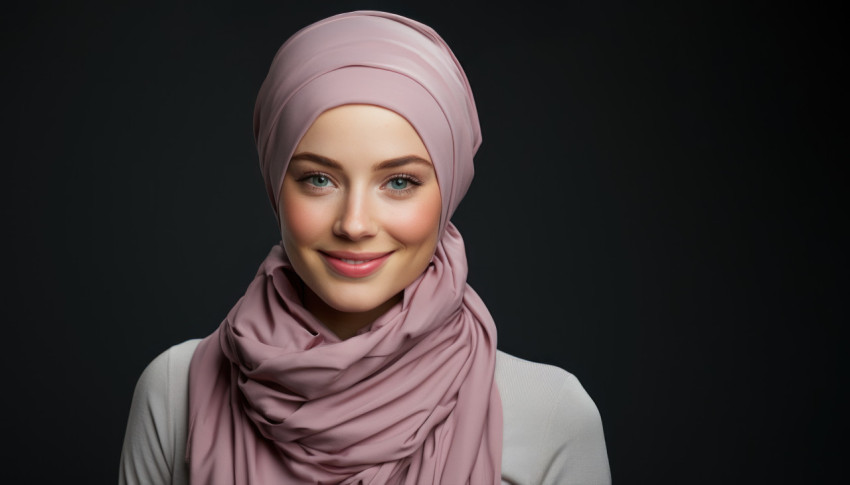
x=354 y=265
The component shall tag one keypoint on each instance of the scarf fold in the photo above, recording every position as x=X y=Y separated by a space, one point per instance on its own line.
x=276 y=397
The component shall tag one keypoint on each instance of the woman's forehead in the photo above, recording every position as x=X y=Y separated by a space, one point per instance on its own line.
x=362 y=132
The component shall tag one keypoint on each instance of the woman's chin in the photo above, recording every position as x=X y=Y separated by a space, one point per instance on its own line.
x=330 y=301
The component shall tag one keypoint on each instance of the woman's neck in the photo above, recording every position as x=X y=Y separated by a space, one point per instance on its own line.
x=344 y=324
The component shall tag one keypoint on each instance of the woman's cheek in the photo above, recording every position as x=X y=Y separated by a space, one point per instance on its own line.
x=303 y=217
x=417 y=223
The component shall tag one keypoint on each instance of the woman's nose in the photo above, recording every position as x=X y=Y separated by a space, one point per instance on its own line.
x=355 y=219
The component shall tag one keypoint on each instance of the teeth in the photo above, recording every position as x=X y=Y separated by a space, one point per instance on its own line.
x=351 y=261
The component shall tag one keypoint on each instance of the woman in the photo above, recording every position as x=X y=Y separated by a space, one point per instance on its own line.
x=359 y=354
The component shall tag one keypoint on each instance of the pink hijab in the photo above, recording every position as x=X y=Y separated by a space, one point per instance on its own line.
x=274 y=396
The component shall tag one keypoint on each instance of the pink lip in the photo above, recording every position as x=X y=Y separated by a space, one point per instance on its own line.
x=373 y=261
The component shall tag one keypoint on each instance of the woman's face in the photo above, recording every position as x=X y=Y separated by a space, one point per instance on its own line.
x=360 y=208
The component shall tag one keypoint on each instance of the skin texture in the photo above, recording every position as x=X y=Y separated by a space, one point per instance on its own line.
x=360 y=205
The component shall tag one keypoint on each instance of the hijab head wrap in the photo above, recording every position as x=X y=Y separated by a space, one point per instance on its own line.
x=274 y=396
x=374 y=58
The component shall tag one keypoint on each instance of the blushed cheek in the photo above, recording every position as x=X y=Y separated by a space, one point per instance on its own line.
x=302 y=221
x=417 y=225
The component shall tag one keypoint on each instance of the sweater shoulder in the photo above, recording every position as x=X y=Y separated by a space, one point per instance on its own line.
x=537 y=386
x=155 y=437
x=552 y=428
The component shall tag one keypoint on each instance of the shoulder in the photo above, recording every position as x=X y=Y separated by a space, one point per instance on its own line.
x=154 y=440
x=166 y=367
x=532 y=387
x=166 y=377
x=552 y=428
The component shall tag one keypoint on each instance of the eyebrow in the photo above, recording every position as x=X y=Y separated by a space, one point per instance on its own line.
x=330 y=163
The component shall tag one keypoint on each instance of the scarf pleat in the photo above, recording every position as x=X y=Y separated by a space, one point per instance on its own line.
x=275 y=397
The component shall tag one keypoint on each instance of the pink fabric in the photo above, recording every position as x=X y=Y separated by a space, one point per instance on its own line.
x=274 y=396
x=371 y=58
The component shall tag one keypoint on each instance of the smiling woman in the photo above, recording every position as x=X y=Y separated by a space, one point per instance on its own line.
x=360 y=213
x=359 y=354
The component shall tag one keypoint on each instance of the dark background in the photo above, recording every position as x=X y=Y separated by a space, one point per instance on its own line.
x=656 y=209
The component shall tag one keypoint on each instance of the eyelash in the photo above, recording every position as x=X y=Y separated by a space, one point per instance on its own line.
x=414 y=181
x=305 y=179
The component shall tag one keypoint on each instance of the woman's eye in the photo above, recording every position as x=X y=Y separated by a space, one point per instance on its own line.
x=320 y=180
x=399 y=183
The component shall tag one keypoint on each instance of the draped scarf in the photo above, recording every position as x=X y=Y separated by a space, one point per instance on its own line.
x=274 y=395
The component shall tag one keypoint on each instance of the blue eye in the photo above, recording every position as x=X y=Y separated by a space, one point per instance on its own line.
x=320 y=180
x=399 y=183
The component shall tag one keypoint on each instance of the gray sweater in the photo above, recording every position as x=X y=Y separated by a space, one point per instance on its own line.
x=552 y=429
